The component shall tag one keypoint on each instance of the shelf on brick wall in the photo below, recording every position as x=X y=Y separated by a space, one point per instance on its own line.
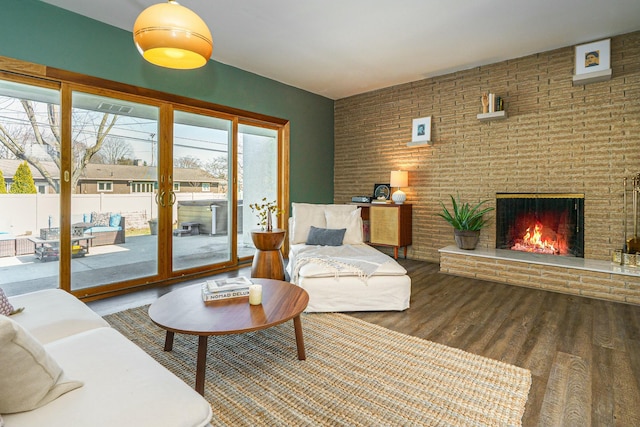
x=598 y=76
x=496 y=115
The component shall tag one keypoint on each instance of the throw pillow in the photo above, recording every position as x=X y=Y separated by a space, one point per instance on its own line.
x=351 y=220
x=29 y=376
x=114 y=220
x=6 y=308
x=304 y=216
x=100 y=219
x=325 y=236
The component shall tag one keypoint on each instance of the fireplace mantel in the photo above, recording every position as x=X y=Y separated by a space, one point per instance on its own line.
x=569 y=275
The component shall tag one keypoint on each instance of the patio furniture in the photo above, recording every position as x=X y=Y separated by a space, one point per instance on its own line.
x=49 y=249
x=111 y=234
x=7 y=245
x=188 y=229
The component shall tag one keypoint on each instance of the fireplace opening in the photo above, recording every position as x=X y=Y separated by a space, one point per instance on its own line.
x=551 y=224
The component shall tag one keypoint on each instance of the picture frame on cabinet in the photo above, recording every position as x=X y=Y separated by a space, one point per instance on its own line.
x=593 y=57
x=381 y=191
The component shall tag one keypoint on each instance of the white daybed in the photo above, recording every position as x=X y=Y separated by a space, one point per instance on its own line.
x=350 y=277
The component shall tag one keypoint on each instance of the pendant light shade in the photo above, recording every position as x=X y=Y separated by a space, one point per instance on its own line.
x=172 y=36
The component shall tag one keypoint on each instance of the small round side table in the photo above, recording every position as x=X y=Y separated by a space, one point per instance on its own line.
x=267 y=261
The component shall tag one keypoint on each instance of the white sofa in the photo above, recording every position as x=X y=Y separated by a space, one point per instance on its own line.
x=351 y=276
x=121 y=384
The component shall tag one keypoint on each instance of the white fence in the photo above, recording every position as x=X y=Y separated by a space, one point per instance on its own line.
x=22 y=214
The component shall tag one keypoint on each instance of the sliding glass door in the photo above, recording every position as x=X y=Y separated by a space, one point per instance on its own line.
x=113 y=187
x=113 y=191
x=202 y=209
x=30 y=148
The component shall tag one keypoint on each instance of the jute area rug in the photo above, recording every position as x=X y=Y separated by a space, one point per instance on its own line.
x=356 y=374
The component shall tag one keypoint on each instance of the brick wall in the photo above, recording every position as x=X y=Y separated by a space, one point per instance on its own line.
x=557 y=138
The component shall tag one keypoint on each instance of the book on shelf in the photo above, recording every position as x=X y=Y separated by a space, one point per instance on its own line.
x=228 y=284
x=208 y=295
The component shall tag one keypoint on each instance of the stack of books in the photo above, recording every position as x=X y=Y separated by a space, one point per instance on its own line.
x=215 y=290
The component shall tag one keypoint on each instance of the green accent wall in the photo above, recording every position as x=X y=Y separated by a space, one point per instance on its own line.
x=40 y=33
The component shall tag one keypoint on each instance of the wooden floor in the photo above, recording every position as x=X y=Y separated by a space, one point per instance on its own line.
x=583 y=354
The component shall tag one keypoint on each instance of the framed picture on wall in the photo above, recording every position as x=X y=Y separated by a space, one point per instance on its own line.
x=593 y=57
x=421 y=130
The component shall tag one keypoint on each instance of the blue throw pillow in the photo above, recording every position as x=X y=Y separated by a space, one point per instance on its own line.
x=326 y=236
x=114 y=220
x=86 y=217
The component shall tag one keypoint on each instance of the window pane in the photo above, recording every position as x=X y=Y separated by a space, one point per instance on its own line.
x=257 y=177
x=114 y=146
x=29 y=190
x=202 y=211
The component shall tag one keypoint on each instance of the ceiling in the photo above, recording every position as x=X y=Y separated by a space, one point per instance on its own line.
x=343 y=48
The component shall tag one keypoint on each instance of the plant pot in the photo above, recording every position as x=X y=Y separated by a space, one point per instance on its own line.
x=466 y=239
x=153 y=227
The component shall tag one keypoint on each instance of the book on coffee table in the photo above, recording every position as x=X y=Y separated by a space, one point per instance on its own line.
x=207 y=295
x=228 y=284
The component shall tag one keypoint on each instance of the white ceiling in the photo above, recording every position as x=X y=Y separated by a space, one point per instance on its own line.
x=342 y=48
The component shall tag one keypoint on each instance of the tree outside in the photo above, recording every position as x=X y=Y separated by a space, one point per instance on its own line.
x=3 y=184
x=30 y=130
x=23 y=181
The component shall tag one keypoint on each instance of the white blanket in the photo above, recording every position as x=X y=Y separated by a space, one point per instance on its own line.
x=340 y=259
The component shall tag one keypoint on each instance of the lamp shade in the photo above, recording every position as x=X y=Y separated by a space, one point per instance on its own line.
x=399 y=179
x=172 y=36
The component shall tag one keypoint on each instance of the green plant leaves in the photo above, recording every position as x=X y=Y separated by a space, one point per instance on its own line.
x=463 y=216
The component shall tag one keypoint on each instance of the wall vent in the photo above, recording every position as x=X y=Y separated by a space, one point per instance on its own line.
x=114 y=108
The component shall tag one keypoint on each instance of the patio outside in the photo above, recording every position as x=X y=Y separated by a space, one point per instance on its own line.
x=111 y=263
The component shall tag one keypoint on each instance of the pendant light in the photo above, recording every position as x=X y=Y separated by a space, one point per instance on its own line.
x=172 y=36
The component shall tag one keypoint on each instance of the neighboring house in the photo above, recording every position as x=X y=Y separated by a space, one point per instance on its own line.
x=119 y=179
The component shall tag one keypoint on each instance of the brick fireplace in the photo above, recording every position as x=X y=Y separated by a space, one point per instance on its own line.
x=540 y=244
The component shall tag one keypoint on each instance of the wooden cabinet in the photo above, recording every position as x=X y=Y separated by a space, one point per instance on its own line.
x=389 y=225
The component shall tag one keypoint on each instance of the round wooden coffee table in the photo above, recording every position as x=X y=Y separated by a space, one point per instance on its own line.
x=183 y=311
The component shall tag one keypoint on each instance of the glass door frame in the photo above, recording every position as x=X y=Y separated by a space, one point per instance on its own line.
x=66 y=82
x=166 y=184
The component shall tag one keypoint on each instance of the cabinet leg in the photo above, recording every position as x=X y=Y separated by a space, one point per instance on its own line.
x=395 y=252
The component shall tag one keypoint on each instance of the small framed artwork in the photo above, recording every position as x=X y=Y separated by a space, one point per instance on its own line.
x=593 y=57
x=381 y=191
x=421 y=130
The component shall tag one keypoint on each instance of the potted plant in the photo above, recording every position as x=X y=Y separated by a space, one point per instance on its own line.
x=267 y=261
x=467 y=221
x=264 y=211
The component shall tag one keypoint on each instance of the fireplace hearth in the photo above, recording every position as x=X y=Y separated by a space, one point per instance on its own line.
x=542 y=223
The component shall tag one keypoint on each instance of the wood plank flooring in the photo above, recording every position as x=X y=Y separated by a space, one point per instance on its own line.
x=583 y=354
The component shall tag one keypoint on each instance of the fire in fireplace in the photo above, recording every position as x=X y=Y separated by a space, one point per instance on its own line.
x=551 y=224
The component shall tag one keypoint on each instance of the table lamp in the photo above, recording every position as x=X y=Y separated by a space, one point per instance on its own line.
x=399 y=179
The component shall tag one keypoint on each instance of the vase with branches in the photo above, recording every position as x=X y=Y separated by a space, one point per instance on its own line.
x=263 y=211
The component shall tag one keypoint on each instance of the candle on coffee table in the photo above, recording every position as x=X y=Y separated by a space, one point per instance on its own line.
x=255 y=294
